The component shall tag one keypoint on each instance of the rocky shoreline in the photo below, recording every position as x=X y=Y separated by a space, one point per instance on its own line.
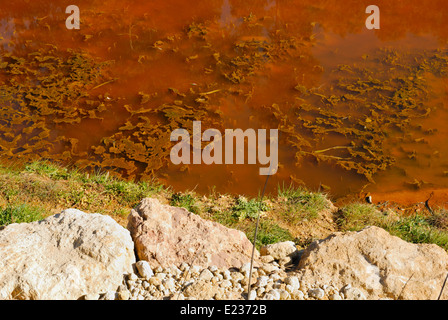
x=171 y=254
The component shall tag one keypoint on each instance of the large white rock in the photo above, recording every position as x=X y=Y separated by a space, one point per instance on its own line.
x=65 y=256
x=377 y=264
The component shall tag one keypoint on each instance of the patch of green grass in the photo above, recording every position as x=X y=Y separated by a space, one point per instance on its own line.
x=301 y=203
x=186 y=201
x=416 y=228
x=56 y=188
x=128 y=192
x=268 y=232
x=20 y=213
x=356 y=216
x=49 y=169
x=419 y=229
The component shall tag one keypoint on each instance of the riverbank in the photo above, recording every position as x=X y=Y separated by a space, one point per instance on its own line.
x=40 y=189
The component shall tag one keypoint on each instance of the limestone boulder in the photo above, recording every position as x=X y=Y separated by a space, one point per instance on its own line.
x=378 y=264
x=166 y=235
x=64 y=257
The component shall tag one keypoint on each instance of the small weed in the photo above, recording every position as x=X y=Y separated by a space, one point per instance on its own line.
x=244 y=208
x=186 y=201
x=439 y=219
x=20 y=213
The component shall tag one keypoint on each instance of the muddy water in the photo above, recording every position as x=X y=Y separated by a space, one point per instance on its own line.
x=357 y=110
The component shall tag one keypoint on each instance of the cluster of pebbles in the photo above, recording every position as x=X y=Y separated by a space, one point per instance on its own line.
x=269 y=281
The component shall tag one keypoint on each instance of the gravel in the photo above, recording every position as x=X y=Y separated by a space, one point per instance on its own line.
x=269 y=282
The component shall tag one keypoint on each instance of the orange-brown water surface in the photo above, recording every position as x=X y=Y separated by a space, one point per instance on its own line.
x=357 y=110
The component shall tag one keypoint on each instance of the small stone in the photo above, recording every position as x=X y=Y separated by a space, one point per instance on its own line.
x=284 y=295
x=274 y=276
x=201 y=290
x=293 y=281
x=169 y=284
x=262 y=281
x=183 y=266
x=275 y=294
x=132 y=277
x=280 y=250
x=269 y=267
x=252 y=295
x=195 y=270
x=176 y=272
x=298 y=295
x=109 y=295
x=144 y=269
x=261 y=272
x=91 y=297
x=158 y=269
x=346 y=287
x=268 y=296
x=206 y=275
x=354 y=294
x=335 y=296
x=215 y=280
x=213 y=269
x=123 y=295
x=155 y=281
x=226 y=284
x=237 y=276
x=267 y=259
x=245 y=269
x=317 y=293
x=226 y=275
x=161 y=275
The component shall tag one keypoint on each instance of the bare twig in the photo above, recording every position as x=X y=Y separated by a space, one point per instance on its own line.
x=399 y=296
x=443 y=287
x=104 y=83
x=256 y=228
x=427 y=203
x=255 y=238
x=333 y=148
x=130 y=36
